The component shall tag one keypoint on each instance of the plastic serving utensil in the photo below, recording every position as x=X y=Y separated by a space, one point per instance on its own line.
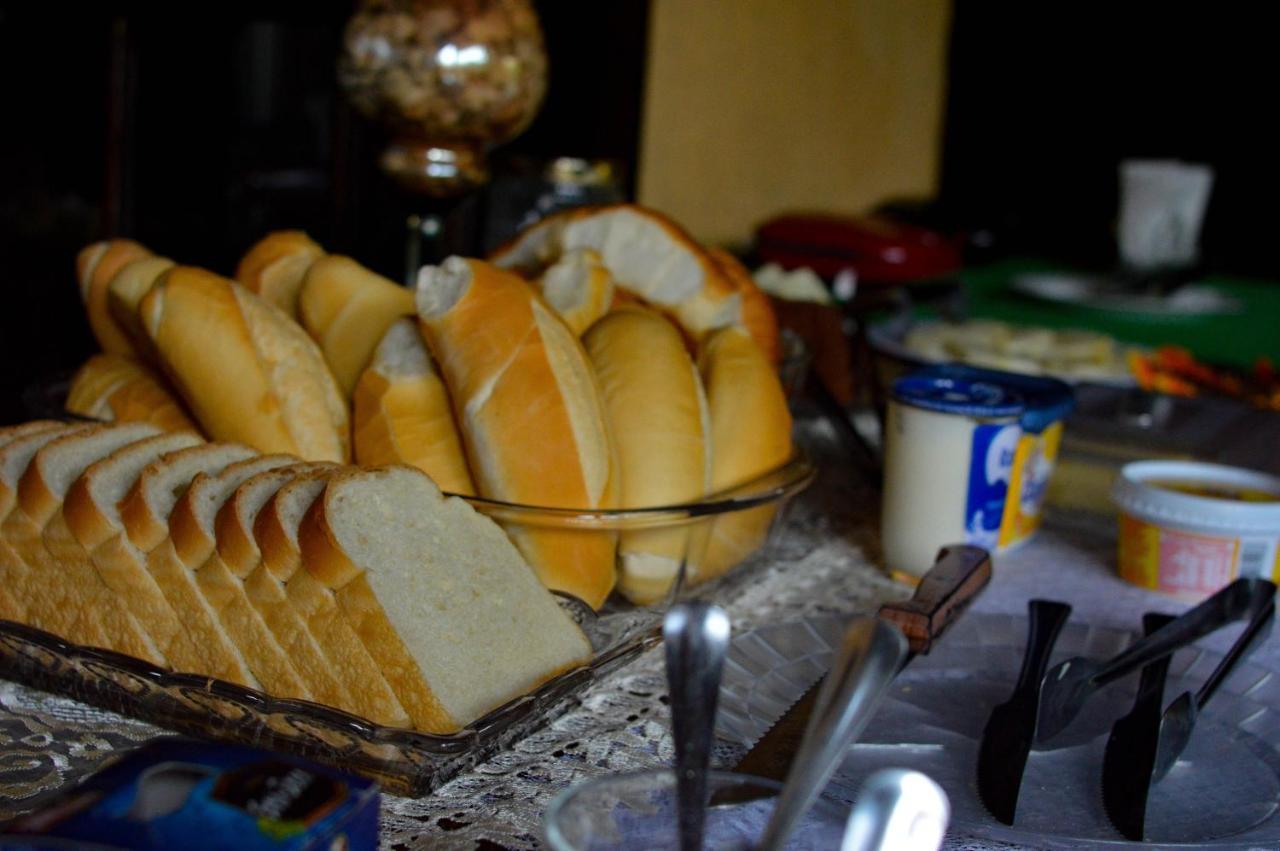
x=696 y=638
x=1069 y=684
x=1130 y=754
x=1011 y=728
x=1180 y=718
x=897 y=810
x=865 y=664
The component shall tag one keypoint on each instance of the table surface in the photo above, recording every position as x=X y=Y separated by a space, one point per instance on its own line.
x=823 y=564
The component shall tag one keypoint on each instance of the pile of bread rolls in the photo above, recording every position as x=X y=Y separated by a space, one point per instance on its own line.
x=602 y=359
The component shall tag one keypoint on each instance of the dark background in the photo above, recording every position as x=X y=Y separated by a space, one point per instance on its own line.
x=197 y=129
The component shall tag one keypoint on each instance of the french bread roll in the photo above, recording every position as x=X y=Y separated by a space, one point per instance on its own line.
x=646 y=253
x=757 y=314
x=92 y=514
x=247 y=372
x=750 y=435
x=277 y=585
x=190 y=542
x=116 y=388
x=15 y=460
x=401 y=413
x=276 y=642
x=96 y=265
x=578 y=286
x=529 y=411
x=274 y=266
x=455 y=619
x=346 y=309
x=65 y=595
x=125 y=293
x=657 y=413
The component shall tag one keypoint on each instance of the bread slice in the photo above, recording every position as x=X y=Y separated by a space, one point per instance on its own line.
x=578 y=286
x=189 y=543
x=401 y=413
x=275 y=642
x=657 y=415
x=246 y=371
x=92 y=514
x=346 y=308
x=65 y=594
x=529 y=411
x=278 y=585
x=275 y=265
x=742 y=386
x=11 y=607
x=96 y=265
x=646 y=252
x=456 y=620
x=116 y=388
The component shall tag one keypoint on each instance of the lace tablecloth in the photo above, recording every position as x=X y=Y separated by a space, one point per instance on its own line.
x=821 y=564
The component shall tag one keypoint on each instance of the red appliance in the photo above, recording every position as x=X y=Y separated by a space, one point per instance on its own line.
x=878 y=250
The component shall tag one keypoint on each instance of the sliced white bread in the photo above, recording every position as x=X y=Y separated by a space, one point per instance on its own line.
x=188 y=545
x=529 y=411
x=750 y=435
x=92 y=512
x=74 y=601
x=401 y=413
x=346 y=308
x=276 y=643
x=144 y=512
x=277 y=584
x=578 y=286
x=456 y=620
x=658 y=417
x=11 y=607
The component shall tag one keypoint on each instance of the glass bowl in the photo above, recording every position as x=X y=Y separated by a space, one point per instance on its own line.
x=656 y=553
x=633 y=811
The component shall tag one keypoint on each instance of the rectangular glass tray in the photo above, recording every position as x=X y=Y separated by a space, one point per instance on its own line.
x=404 y=762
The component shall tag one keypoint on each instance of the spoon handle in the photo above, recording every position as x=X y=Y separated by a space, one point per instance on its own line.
x=696 y=638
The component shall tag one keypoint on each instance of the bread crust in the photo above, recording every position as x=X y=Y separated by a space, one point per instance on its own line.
x=97 y=264
x=274 y=267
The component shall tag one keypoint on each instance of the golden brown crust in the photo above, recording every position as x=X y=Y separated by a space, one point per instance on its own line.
x=757 y=311
x=119 y=389
x=274 y=267
x=97 y=266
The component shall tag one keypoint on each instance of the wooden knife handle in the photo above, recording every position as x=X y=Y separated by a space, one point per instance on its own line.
x=960 y=572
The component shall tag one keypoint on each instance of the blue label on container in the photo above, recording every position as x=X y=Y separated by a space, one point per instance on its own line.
x=990 y=467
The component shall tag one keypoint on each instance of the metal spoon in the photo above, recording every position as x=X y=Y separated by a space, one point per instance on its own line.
x=865 y=664
x=897 y=810
x=696 y=637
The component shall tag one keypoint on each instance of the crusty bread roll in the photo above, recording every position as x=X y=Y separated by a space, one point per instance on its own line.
x=757 y=314
x=578 y=286
x=125 y=293
x=277 y=586
x=657 y=414
x=18 y=443
x=401 y=413
x=346 y=309
x=247 y=372
x=750 y=435
x=457 y=621
x=119 y=389
x=96 y=265
x=645 y=251
x=529 y=411
x=274 y=266
x=64 y=594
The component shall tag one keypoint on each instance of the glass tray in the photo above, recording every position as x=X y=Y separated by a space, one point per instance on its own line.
x=404 y=762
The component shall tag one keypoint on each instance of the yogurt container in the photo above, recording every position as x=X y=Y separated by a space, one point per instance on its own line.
x=950 y=443
x=1188 y=528
x=1047 y=402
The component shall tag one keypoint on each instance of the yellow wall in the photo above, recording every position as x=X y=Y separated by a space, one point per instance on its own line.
x=755 y=107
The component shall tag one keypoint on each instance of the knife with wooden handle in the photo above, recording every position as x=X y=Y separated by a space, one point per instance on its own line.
x=956 y=578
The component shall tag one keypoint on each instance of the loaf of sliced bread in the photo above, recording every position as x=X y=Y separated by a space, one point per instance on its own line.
x=401 y=413
x=277 y=584
x=454 y=617
x=11 y=567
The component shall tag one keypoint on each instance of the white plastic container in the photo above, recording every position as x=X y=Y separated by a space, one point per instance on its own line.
x=949 y=450
x=1189 y=528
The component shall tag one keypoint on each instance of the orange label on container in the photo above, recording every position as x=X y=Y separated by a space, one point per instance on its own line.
x=1139 y=552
